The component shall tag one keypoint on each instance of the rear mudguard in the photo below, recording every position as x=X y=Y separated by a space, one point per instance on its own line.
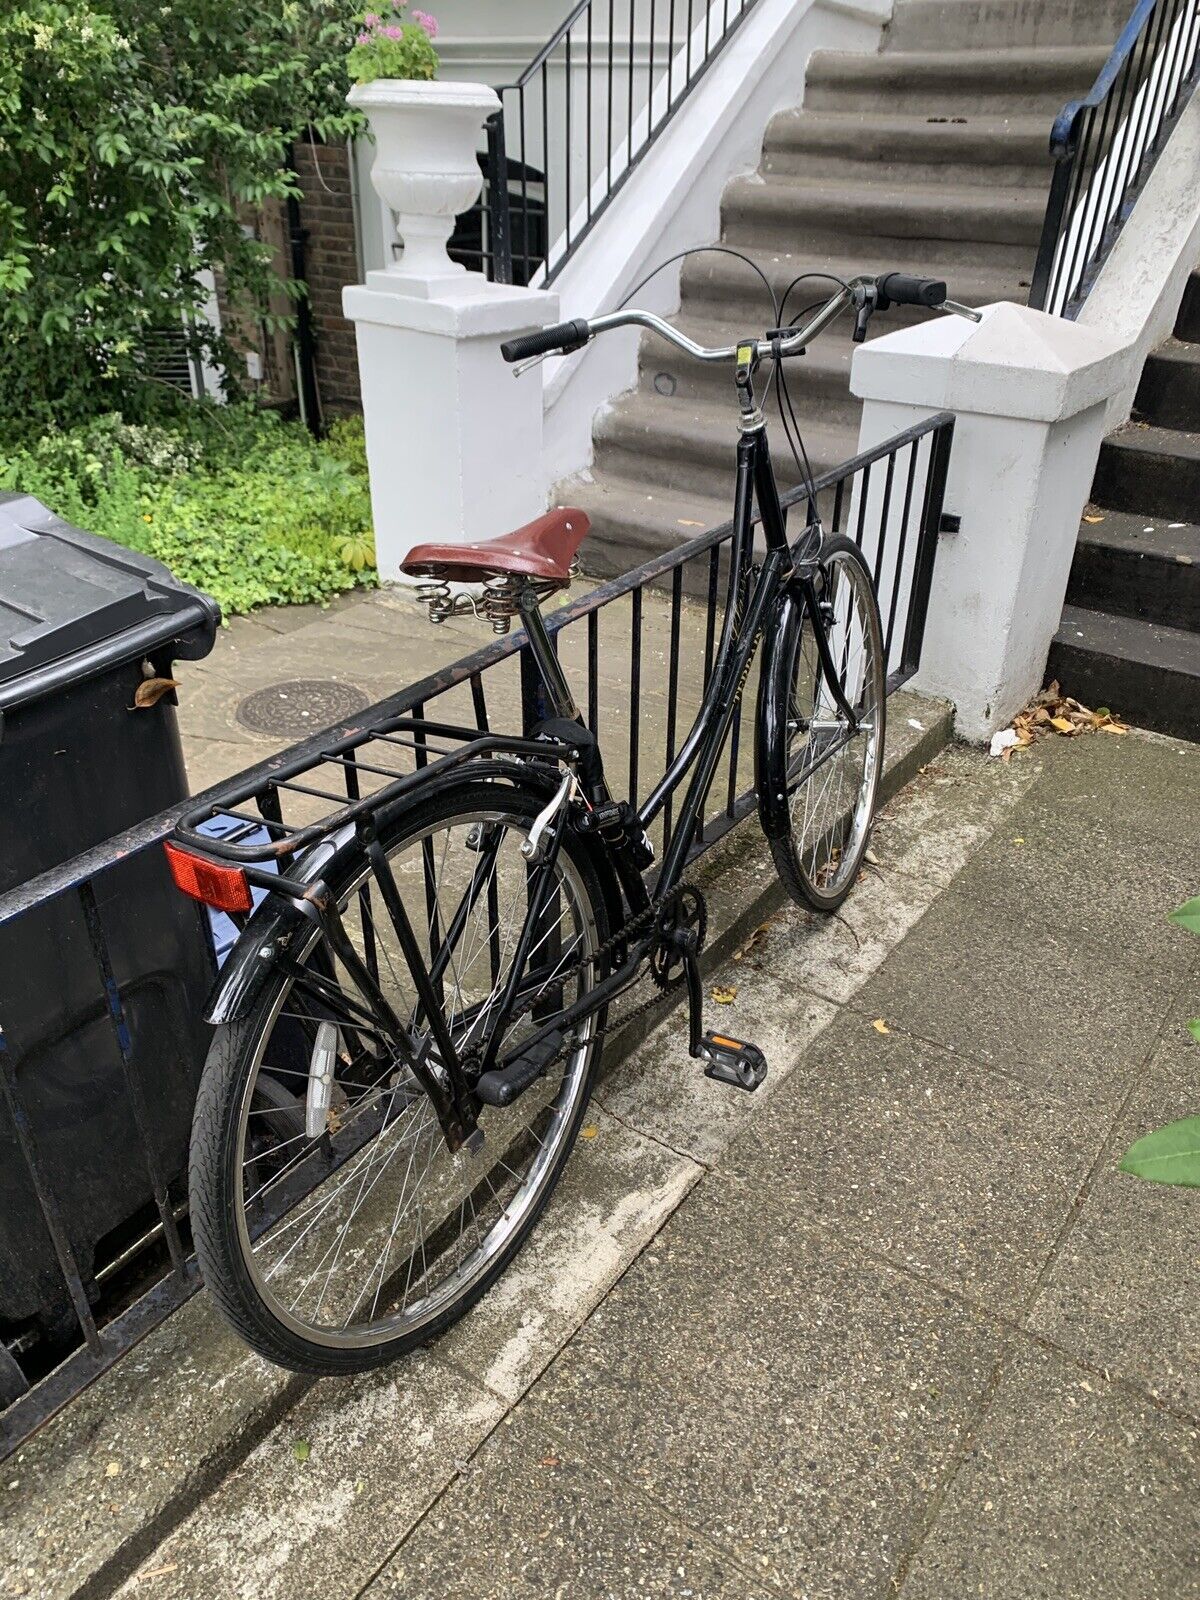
x=770 y=749
x=281 y=925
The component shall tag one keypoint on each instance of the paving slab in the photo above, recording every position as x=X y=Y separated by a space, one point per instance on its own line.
x=568 y=1528
x=793 y=1402
x=615 y=1194
x=376 y=1451
x=1073 y=1489
x=663 y=1093
x=950 y=1169
x=993 y=982
x=948 y=809
x=1124 y=1293
x=1093 y=874
x=82 y=1498
x=1140 y=778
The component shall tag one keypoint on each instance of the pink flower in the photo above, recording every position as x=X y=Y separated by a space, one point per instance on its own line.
x=427 y=22
x=371 y=19
x=364 y=38
x=392 y=32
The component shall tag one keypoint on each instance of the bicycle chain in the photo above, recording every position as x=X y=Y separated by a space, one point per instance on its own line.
x=643 y=919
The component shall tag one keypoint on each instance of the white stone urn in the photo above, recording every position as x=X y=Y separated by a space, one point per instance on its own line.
x=426 y=169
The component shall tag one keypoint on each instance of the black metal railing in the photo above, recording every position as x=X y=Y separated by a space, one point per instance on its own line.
x=578 y=120
x=640 y=649
x=1105 y=147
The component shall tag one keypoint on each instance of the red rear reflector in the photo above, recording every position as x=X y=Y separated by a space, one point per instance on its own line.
x=224 y=888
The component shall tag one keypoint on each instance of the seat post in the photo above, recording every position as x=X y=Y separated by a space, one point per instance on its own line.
x=540 y=645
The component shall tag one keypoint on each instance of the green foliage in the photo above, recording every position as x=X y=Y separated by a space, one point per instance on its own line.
x=134 y=140
x=1168 y=1155
x=234 y=500
x=1172 y=1154
x=387 y=46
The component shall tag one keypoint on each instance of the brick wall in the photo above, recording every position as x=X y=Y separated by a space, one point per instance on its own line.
x=327 y=214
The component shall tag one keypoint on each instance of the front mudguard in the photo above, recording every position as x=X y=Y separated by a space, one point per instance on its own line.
x=770 y=730
x=282 y=925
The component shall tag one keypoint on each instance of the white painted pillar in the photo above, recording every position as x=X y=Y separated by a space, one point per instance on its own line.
x=1029 y=394
x=454 y=438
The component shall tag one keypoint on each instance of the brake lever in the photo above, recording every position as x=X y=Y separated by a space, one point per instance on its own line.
x=959 y=310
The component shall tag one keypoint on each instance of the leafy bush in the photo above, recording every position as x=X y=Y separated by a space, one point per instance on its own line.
x=134 y=138
x=234 y=500
x=389 y=47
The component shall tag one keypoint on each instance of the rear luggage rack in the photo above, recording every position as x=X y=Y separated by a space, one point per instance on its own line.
x=364 y=763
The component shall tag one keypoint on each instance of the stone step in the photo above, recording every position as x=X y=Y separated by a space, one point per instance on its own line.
x=958 y=24
x=1142 y=671
x=948 y=82
x=794 y=212
x=1010 y=151
x=1155 y=470
x=633 y=521
x=720 y=289
x=1187 y=323
x=1169 y=392
x=689 y=446
x=821 y=376
x=1136 y=566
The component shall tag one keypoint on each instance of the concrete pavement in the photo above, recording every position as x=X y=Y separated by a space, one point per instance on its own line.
x=895 y=1324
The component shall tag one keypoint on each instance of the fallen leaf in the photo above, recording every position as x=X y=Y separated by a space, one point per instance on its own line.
x=151 y=690
x=1062 y=724
x=687 y=522
x=870 y=858
x=1093 y=519
x=589 y=1132
x=725 y=994
x=302 y=1449
x=880 y=1026
x=549 y=1461
x=756 y=937
x=1018 y=841
x=113 y=1469
x=158 y=1572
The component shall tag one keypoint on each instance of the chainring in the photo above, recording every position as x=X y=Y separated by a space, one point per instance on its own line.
x=688 y=911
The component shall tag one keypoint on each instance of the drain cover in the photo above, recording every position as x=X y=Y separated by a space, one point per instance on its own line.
x=305 y=705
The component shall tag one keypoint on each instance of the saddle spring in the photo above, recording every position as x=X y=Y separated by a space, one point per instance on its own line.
x=495 y=601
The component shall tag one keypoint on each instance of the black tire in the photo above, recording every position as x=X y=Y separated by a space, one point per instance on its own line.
x=218 y=1166
x=816 y=854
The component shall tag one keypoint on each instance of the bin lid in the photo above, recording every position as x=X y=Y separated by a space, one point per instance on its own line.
x=68 y=597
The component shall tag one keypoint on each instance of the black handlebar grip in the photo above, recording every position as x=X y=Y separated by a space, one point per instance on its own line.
x=559 y=337
x=903 y=290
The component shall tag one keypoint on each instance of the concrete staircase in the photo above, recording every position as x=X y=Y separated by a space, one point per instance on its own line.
x=1130 y=634
x=930 y=157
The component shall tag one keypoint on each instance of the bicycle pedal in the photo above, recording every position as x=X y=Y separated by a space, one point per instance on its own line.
x=733 y=1061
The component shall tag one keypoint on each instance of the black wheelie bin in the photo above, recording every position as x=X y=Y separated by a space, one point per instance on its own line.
x=84 y=624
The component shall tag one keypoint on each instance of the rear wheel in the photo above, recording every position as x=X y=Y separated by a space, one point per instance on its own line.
x=828 y=769
x=334 y=1227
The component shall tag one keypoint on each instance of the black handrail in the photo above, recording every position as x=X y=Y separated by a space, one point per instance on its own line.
x=578 y=120
x=1105 y=147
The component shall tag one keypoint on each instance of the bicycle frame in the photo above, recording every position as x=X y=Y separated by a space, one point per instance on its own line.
x=782 y=570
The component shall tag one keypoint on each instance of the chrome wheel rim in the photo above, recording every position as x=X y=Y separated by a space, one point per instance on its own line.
x=833 y=773
x=402 y=1166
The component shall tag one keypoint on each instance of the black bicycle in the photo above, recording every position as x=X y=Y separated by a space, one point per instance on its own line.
x=408 y=1026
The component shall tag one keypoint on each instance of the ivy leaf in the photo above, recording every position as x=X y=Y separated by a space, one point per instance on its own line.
x=1168 y=1155
x=1194 y=1029
x=301 y=1449
x=1187 y=915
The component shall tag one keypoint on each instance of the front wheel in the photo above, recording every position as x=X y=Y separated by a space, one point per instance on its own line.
x=335 y=1228
x=819 y=772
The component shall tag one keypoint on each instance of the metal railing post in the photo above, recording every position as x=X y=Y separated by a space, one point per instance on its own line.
x=500 y=266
